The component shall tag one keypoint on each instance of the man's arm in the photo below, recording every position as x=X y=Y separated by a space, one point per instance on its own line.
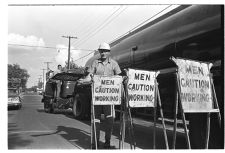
x=85 y=80
x=88 y=77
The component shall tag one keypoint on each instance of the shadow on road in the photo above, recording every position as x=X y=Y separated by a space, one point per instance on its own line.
x=75 y=136
x=41 y=110
x=143 y=136
x=85 y=121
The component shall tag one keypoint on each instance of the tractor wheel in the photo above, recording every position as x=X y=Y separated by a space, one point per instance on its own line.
x=81 y=106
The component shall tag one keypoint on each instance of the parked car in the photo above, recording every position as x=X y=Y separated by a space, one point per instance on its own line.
x=14 y=100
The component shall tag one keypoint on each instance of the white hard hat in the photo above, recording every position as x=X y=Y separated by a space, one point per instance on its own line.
x=104 y=46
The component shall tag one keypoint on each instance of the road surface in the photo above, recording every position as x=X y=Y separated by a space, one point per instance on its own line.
x=32 y=128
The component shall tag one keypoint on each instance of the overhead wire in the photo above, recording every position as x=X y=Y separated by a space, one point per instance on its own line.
x=101 y=27
x=46 y=47
x=142 y=23
x=84 y=19
x=84 y=56
x=93 y=26
x=80 y=40
x=98 y=31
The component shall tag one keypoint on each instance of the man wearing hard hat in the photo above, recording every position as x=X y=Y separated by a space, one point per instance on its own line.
x=104 y=66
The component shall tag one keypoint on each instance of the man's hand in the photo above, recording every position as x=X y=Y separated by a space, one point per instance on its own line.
x=86 y=80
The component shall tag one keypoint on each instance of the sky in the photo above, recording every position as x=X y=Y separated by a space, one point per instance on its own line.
x=35 y=32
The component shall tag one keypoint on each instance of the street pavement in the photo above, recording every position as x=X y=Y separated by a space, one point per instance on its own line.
x=32 y=128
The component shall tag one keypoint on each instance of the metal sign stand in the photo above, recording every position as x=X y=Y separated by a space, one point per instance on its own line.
x=178 y=103
x=208 y=114
x=182 y=113
x=93 y=126
x=93 y=120
x=161 y=113
x=125 y=116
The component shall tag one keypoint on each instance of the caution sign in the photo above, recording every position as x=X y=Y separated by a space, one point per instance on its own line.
x=141 y=88
x=195 y=86
x=106 y=90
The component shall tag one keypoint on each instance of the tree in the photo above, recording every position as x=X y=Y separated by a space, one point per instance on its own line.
x=17 y=77
x=73 y=65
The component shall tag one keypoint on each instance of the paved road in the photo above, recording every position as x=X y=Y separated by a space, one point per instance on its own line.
x=32 y=128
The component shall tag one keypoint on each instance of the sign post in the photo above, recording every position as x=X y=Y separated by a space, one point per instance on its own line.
x=126 y=116
x=142 y=91
x=106 y=90
x=195 y=93
x=175 y=117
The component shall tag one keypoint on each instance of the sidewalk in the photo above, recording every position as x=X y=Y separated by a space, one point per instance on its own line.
x=143 y=132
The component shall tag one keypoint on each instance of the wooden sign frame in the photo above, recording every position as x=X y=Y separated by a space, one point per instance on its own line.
x=126 y=115
x=93 y=126
x=179 y=105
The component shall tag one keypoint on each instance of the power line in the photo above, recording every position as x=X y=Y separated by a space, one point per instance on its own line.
x=100 y=28
x=84 y=56
x=89 y=28
x=46 y=47
x=141 y=24
x=151 y=17
x=99 y=25
x=103 y=26
x=95 y=21
x=56 y=48
x=136 y=26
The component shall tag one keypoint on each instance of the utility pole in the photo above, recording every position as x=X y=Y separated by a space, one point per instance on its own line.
x=47 y=65
x=40 y=78
x=68 y=66
x=43 y=79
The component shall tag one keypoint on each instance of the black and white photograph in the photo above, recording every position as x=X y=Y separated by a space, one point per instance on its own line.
x=114 y=76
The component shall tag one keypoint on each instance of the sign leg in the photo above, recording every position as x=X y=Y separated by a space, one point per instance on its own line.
x=154 y=130
x=207 y=131
x=121 y=127
x=182 y=113
x=175 y=122
x=163 y=122
x=129 y=129
x=216 y=102
x=94 y=127
x=185 y=127
x=132 y=129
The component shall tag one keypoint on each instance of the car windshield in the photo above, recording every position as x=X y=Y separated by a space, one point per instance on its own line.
x=12 y=92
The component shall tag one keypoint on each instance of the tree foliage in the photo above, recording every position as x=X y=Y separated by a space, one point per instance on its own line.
x=17 y=77
x=73 y=65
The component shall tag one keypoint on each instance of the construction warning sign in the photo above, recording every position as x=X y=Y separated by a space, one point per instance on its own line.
x=195 y=85
x=141 y=88
x=106 y=90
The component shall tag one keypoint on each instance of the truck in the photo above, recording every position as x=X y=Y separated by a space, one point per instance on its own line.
x=190 y=31
x=69 y=97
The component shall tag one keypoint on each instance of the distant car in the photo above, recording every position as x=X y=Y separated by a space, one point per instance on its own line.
x=14 y=100
x=39 y=91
